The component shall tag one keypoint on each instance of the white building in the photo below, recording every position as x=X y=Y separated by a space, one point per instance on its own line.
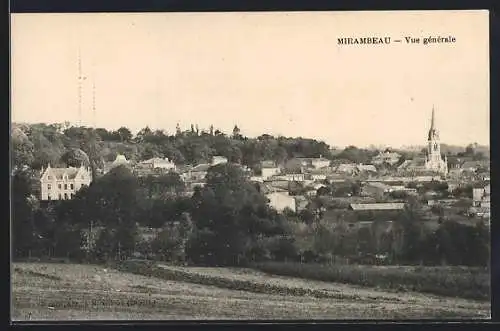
x=481 y=196
x=218 y=160
x=119 y=160
x=63 y=183
x=280 y=200
x=320 y=162
x=386 y=157
x=196 y=174
x=158 y=163
x=269 y=169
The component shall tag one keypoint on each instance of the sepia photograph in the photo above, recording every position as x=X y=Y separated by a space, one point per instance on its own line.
x=250 y=166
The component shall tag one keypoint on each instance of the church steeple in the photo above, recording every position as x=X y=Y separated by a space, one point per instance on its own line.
x=434 y=160
x=433 y=133
x=432 y=119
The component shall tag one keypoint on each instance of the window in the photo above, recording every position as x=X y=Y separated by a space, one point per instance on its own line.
x=49 y=177
x=65 y=196
x=72 y=195
x=59 y=186
x=65 y=186
x=48 y=197
x=60 y=196
x=49 y=186
x=72 y=186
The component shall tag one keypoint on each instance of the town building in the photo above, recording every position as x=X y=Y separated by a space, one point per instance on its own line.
x=307 y=163
x=197 y=173
x=434 y=161
x=154 y=166
x=387 y=156
x=370 y=168
x=217 y=159
x=63 y=183
x=281 y=200
x=120 y=160
x=473 y=166
x=376 y=206
x=347 y=168
x=375 y=189
x=481 y=196
x=269 y=169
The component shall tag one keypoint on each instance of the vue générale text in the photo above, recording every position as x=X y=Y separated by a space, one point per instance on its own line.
x=388 y=40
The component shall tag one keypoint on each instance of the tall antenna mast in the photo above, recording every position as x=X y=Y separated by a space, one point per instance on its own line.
x=80 y=78
x=94 y=114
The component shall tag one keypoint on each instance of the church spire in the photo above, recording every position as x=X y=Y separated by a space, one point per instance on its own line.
x=432 y=119
x=432 y=130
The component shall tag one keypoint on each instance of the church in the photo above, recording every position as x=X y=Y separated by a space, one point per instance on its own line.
x=433 y=160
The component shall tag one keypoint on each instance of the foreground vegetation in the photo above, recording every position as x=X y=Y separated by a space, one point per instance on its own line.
x=464 y=282
x=54 y=291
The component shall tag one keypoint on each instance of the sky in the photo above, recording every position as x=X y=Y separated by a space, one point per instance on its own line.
x=277 y=73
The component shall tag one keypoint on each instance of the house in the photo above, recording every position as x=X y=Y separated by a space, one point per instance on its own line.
x=278 y=183
x=154 y=166
x=120 y=160
x=454 y=184
x=376 y=206
x=366 y=168
x=280 y=200
x=347 y=168
x=158 y=163
x=386 y=157
x=402 y=188
x=269 y=169
x=481 y=196
x=197 y=173
x=474 y=165
x=442 y=202
x=321 y=174
x=307 y=163
x=63 y=183
x=414 y=166
x=321 y=162
x=217 y=159
x=294 y=177
x=376 y=189
x=481 y=201
x=257 y=179
x=301 y=202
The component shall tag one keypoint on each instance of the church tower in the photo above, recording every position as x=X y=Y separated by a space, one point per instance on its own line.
x=434 y=162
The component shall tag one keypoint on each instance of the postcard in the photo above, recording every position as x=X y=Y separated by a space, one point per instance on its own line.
x=250 y=166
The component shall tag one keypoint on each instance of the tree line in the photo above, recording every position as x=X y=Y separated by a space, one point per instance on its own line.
x=228 y=222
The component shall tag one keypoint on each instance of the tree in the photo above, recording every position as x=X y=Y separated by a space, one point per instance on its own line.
x=75 y=158
x=24 y=238
x=231 y=214
x=125 y=134
x=113 y=202
x=22 y=149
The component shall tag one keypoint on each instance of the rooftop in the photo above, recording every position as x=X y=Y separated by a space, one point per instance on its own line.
x=59 y=173
x=377 y=206
x=201 y=167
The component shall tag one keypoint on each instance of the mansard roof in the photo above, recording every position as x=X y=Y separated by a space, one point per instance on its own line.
x=59 y=173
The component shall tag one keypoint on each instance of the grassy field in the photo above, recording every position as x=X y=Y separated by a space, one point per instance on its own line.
x=464 y=282
x=85 y=292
